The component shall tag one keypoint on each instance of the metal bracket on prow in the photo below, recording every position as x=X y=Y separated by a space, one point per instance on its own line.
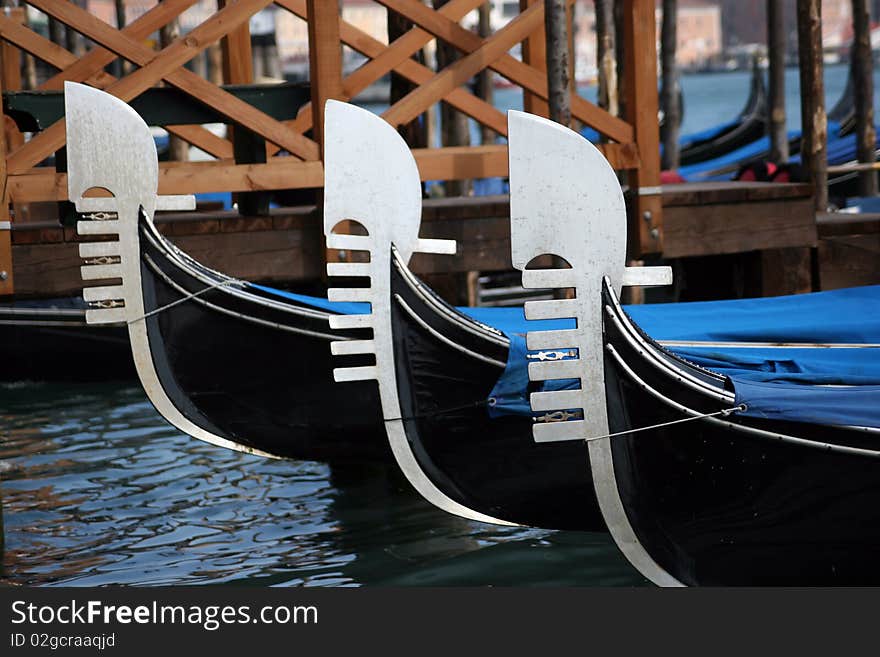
x=110 y=147
x=565 y=200
x=370 y=177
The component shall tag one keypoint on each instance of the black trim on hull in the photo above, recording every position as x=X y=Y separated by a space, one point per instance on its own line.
x=714 y=503
x=492 y=466
x=251 y=369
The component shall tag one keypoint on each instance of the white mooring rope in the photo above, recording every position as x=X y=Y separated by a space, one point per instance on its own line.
x=192 y=295
x=723 y=413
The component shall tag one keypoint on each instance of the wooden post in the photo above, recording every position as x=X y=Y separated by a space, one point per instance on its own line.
x=484 y=79
x=178 y=150
x=669 y=93
x=119 y=10
x=453 y=124
x=6 y=279
x=534 y=53
x=813 y=121
x=10 y=69
x=606 y=59
x=620 y=55
x=236 y=47
x=325 y=60
x=414 y=133
x=72 y=39
x=863 y=74
x=558 y=68
x=776 y=46
x=640 y=93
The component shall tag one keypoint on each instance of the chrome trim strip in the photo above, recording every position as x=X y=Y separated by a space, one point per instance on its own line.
x=794 y=440
x=443 y=338
x=237 y=315
x=685 y=378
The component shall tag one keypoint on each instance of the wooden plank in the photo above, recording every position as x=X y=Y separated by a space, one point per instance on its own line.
x=640 y=92
x=776 y=52
x=365 y=44
x=7 y=278
x=735 y=228
x=88 y=68
x=814 y=123
x=236 y=48
x=514 y=70
x=325 y=60
x=534 y=53
x=166 y=65
x=458 y=163
x=786 y=271
x=459 y=72
x=61 y=58
x=732 y=192
x=843 y=224
x=10 y=55
x=863 y=85
x=849 y=261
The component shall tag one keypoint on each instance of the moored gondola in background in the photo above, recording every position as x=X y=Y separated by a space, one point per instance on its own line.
x=750 y=125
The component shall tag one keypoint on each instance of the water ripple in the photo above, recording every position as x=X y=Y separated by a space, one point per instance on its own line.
x=98 y=489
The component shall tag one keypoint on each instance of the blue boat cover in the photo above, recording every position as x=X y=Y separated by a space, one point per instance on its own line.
x=771 y=380
x=789 y=383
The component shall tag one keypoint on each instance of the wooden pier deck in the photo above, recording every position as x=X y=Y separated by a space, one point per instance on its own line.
x=772 y=227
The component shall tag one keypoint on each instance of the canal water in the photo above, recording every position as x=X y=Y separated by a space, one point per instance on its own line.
x=97 y=489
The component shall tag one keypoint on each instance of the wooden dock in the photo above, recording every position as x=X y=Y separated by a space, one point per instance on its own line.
x=767 y=233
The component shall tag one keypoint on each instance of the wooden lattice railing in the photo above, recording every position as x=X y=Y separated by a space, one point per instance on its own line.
x=632 y=141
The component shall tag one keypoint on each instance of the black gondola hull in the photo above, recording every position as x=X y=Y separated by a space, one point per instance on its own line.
x=715 y=504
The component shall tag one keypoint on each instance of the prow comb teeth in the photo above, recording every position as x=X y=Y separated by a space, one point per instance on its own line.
x=103 y=260
x=360 y=347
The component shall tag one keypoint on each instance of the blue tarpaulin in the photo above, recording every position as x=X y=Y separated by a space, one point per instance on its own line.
x=774 y=381
x=792 y=383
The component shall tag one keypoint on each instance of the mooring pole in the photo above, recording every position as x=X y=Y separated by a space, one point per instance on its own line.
x=863 y=74
x=814 y=123
x=606 y=56
x=558 y=81
x=484 y=79
x=669 y=90
x=776 y=47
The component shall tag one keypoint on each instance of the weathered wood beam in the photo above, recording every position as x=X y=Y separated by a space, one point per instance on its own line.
x=325 y=60
x=640 y=91
x=89 y=67
x=167 y=65
x=863 y=76
x=534 y=53
x=606 y=56
x=61 y=58
x=558 y=64
x=480 y=111
x=814 y=123
x=459 y=163
x=669 y=91
x=465 y=68
x=776 y=48
x=516 y=71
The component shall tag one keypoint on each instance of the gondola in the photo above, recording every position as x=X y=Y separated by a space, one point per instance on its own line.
x=705 y=478
x=235 y=364
x=228 y=362
x=49 y=339
x=750 y=125
x=701 y=477
x=436 y=368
